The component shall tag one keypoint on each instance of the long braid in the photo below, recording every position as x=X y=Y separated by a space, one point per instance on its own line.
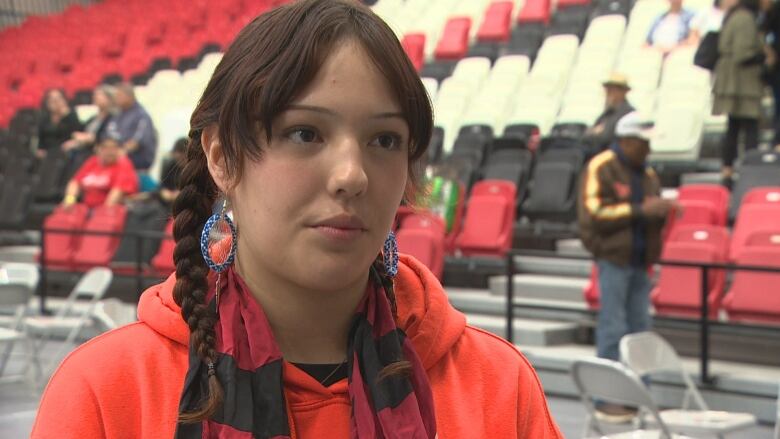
x=191 y=209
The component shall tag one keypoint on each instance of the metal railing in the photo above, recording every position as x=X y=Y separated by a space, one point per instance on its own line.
x=704 y=322
x=140 y=273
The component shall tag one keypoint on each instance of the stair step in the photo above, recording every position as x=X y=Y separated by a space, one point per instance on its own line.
x=527 y=332
x=535 y=286
x=553 y=266
x=571 y=247
x=482 y=302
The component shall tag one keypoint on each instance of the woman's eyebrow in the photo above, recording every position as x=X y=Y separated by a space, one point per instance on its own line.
x=329 y=112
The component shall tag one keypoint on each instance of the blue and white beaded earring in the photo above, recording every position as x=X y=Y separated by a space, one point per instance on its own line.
x=390 y=255
x=221 y=224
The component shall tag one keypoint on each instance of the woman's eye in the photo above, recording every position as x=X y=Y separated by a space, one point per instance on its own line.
x=387 y=141
x=303 y=135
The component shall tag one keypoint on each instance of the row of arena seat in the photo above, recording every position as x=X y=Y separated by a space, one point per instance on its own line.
x=123 y=40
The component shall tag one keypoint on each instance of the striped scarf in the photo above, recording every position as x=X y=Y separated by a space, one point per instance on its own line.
x=249 y=366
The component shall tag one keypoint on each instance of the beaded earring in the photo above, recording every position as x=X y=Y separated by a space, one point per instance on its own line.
x=224 y=225
x=390 y=255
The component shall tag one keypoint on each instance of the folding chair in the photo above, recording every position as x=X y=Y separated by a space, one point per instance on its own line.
x=71 y=318
x=18 y=282
x=777 y=420
x=611 y=381
x=647 y=353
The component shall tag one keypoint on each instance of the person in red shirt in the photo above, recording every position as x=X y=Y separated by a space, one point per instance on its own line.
x=104 y=179
x=308 y=136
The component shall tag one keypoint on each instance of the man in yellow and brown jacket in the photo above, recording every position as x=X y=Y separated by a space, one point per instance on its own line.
x=621 y=216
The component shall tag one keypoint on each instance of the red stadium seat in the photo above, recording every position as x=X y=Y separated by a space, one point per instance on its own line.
x=691 y=212
x=534 y=11
x=678 y=292
x=716 y=194
x=591 y=291
x=762 y=195
x=98 y=250
x=60 y=247
x=454 y=41
x=765 y=238
x=414 y=46
x=753 y=296
x=422 y=236
x=401 y=214
x=162 y=262
x=717 y=236
x=752 y=218
x=496 y=25
x=566 y=3
x=490 y=217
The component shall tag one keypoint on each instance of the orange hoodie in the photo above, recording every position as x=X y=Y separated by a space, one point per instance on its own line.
x=127 y=383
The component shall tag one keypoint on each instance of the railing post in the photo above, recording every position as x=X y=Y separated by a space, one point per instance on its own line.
x=510 y=295
x=44 y=284
x=139 y=276
x=704 y=372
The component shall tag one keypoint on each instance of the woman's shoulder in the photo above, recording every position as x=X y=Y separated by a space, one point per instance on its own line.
x=133 y=345
x=495 y=352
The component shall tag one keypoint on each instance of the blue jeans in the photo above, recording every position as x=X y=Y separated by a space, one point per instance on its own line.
x=625 y=306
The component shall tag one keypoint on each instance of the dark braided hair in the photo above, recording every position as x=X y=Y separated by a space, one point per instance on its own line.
x=271 y=60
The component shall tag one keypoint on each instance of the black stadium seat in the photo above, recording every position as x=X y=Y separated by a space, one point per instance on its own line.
x=50 y=187
x=758 y=168
x=526 y=40
x=435 y=146
x=553 y=194
x=610 y=7
x=512 y=165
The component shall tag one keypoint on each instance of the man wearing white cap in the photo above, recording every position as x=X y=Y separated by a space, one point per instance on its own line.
x=621 y=216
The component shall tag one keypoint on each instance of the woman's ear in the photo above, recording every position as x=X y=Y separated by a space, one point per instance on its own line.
x=215 y=157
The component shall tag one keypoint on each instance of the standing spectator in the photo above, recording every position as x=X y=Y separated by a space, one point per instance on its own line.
x=738 y=87
x=95 y=128
x=621 y=216
x=671 y=28
x=770 y=26
x=709 y=20
x=105 y=179
x=135 y=129
x=58 y=122
x=602 y=134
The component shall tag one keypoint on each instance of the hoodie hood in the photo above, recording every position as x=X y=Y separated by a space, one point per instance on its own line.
x=424 y=312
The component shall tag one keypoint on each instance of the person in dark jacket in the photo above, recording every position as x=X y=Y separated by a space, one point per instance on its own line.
x=621 y=215
x=135 y=129
x=602 y=134
x=738 y=85
x=58 y=122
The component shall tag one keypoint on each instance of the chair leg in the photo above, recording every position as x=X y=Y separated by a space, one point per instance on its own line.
x=6 y=356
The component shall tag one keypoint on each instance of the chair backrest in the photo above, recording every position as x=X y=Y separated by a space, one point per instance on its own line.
x=763 y=194
x=753 y=295
x=752 y=218
x=718 y=236
x=611 y=381
x=647 y=353
x=679 y=288
x=18 y=282
x=93 y=284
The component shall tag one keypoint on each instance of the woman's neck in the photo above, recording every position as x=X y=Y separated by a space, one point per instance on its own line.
x=309 y=326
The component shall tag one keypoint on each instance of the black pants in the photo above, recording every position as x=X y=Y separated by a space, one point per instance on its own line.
x=737 y=125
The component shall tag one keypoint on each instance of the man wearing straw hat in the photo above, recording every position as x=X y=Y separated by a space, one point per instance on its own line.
x=602 y=134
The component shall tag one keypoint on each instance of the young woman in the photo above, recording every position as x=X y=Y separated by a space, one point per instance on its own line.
x=58 y=122
x=310 y=130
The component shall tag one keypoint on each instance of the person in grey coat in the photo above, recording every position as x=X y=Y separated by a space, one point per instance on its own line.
x=738 y=86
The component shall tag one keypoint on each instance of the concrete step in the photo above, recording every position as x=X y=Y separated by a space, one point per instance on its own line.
x=483 y=302
x=553 y=266
x=528 y=332
x=571 y=247
x=539 y=286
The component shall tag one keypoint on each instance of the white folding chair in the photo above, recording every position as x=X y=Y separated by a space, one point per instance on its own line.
x=647 y=353
x=18 y=282
x=71 y=318
x=608 y=380
x=777 y=420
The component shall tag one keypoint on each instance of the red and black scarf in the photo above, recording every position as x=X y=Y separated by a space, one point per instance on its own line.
x=249 y=366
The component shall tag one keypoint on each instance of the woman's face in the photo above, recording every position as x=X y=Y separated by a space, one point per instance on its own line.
x=55 y=102
x=316 y=208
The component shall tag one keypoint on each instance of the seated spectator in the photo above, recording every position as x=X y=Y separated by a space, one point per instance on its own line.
x=105 y=179
x=602 y=134
x=58 y=122
x=169 y=187
x=135 y=130
x=95 y=128
x=671 y=28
